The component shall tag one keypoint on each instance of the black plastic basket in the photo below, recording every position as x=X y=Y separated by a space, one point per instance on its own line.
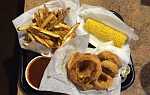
x=26 y=55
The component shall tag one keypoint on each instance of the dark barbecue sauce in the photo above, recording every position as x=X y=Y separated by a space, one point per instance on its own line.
x=36 y=70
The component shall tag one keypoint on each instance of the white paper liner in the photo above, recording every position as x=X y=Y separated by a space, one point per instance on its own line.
x=26 y=18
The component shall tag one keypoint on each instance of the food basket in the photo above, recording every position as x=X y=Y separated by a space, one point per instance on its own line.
x=25 y=57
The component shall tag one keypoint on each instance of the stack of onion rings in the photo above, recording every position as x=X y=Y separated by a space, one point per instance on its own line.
x=88 y=71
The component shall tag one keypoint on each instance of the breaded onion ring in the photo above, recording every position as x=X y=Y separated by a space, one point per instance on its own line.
x=104 y=82
x=109 y=68
x=107 y=55
x=83 y=69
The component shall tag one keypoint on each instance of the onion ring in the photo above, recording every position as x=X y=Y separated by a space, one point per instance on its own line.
x=109 y=68
x=104 y=82
x=83 y=69
x=107 y=55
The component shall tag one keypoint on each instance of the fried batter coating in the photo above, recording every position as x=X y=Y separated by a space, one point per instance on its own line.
x=104 y=82
x=83 y=69
x=107 y=55
x=109 y=68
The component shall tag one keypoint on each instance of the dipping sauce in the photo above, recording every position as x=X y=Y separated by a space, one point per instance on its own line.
x=35 y=70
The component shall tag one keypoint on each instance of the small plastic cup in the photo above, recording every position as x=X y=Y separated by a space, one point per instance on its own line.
x=35 y=70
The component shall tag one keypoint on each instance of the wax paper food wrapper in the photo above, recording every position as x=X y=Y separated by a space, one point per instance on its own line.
x=26 y=18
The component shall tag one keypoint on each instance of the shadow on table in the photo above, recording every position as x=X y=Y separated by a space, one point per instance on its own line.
x=145 y=78
x=145 y=2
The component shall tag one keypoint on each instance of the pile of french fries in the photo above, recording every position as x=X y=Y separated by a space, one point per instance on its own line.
x=48 y=28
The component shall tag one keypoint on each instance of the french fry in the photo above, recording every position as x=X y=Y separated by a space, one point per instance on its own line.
x=71 y=31
x=35 y=31
x=41 y=14
x=50 y=43
x=46 y=42
x=41 y=41
x=50 y=25
x=23 y=27
x=62 y=25
x=46 y=32
x=72 y=35
x=41 y=35
x=62 y=33
x=31 y=36
x=37 y=19
x=48 y=19
x=46 y=9
x=27 y=38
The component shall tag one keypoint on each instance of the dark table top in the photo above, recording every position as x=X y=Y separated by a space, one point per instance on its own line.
x=8 y=46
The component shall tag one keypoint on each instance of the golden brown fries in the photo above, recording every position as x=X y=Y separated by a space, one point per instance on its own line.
x=50 y=19
x=72 y=35
x=71 y=31
x=51 y=43
x=62 y=26
x=23 y=27
x=45 y=32
x=31 y=36
x=41 y=41
x=48 y=28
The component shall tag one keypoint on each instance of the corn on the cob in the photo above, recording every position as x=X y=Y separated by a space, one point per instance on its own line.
x=105 y=33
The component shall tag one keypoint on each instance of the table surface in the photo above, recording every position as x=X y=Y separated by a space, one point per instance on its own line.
x=137 y=16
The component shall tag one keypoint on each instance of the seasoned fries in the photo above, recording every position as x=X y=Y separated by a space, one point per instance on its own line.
x=48 y=28
x=52 y=18
x=71 y=31
x=31 y=36
x=45 y=32
x=38 y=39
x=62 y=26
